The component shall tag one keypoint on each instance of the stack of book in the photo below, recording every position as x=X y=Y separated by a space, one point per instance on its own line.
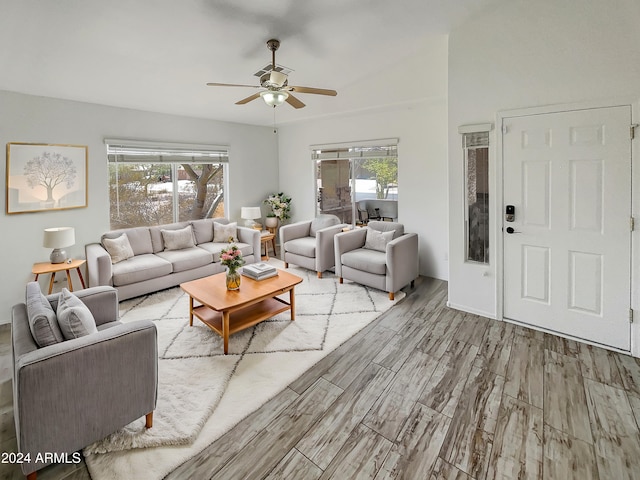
x=259 y=271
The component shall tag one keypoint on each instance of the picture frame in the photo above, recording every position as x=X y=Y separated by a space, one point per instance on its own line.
x=46 y=176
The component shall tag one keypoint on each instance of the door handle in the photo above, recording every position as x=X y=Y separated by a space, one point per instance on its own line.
x=511 y=231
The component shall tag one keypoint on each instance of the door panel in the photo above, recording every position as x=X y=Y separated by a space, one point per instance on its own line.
x=567 y=264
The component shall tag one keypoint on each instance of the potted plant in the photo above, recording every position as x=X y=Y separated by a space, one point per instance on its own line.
x=280 y=208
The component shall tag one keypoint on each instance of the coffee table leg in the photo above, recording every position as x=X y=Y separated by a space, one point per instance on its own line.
x=190 y=311
x=225 y=331
x=292 y=302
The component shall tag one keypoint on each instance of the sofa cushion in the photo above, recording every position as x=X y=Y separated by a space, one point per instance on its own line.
x=202 y=230
x=74 y=317
x=139 y=239
x=322 y=221
x=139 y=269
x=366 y=260
x=186 y=258
x=42 y=318
x=378 y=240
x=305 y=246
x=225 y=233
x=119 y=248
x=157 y=240
x=214 y=248
x=178 y=239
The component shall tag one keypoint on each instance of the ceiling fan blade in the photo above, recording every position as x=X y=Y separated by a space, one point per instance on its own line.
x=294 y=102
x=231 y=85
x=319 y=91
x=248 y=99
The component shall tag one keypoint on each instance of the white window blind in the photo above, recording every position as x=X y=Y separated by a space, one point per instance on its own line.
x=134 y=151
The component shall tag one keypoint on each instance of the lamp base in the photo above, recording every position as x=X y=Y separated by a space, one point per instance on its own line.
x=58 y=256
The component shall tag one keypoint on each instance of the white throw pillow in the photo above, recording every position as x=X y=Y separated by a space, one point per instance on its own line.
x=74 y=317
x=378 y=240
x=225 y=233
x=178 y=239
x=119 y=248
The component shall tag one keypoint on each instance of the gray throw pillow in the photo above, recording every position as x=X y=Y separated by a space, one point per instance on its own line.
x=74 y=317
x=119 y=248
x=225 y=233
x=42 y=318
x=178 y=239
x=378 y=240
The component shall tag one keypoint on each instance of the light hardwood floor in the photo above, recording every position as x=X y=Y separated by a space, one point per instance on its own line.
x=426 y=392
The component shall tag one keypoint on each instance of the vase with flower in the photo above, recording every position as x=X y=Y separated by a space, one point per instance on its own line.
x=280 y=208
x=231 y=257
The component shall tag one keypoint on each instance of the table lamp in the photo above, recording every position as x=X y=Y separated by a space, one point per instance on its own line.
x=250 y=214
x=59 y=238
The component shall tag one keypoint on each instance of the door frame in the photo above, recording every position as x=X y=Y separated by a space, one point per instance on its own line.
x=502 y=115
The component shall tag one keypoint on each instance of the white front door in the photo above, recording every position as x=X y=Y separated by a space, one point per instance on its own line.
x=567 y=264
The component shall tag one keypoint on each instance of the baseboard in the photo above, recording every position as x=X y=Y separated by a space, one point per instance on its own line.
x=466 y=309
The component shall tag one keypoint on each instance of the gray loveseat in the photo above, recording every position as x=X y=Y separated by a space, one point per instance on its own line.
x=155 y=264
x=68 y=394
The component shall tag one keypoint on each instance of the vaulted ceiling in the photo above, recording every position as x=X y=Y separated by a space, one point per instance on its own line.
x=158 y=55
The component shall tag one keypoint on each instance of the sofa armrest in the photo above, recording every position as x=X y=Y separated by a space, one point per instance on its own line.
x=292 y=231
x=252 y=237
x=402 y=261
x=99 y=269
x=325 y=248
x=73 y=393
x=101 y=301
x=345 y=242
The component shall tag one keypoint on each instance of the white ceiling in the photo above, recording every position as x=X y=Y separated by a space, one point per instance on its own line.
x=157 y=55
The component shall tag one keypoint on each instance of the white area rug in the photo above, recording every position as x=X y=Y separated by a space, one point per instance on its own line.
x=203 y=393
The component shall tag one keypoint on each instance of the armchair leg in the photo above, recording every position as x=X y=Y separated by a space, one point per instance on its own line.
x=149 y=420
x=340 y=280
x=286 y=265
x=32 y=476
x=413 y=283
x=319 y=274
x=392 y=296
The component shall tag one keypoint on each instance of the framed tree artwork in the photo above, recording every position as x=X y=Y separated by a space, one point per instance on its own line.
x=42 y=177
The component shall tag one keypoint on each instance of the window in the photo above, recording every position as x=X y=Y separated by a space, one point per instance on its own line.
x=476 y=158
x=357 y=183
x=154 y=184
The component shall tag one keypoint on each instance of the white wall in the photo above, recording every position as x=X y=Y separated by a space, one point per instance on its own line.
x=528 y=54
x=253 y=172
x=422 y=169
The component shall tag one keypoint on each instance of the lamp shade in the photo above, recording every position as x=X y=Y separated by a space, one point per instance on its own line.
x=250 y=213
x=59 y=237
x=274 y=97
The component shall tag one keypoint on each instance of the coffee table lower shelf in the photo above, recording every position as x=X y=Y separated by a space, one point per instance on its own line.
x=240 y=319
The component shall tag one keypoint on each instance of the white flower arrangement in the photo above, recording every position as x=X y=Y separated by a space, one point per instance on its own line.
x=280 y=205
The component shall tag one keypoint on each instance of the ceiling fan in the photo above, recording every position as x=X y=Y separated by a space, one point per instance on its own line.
x=274 y=78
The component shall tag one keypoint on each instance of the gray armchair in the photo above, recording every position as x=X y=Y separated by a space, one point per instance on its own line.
x=389 y=268
x=70 y=394
x=309 y=243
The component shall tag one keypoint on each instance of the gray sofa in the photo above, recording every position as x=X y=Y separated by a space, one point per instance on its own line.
x=68 y=394
x=154 y=267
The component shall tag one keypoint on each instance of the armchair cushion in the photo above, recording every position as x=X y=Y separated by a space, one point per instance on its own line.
x=42 y=318
x=377 y=240
x=305 y=246
x=119 y=248
x=366 y=260
x=322 y=221
x=74 y=317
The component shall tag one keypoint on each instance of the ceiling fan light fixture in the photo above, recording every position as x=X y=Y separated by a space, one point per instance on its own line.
x=274 y=98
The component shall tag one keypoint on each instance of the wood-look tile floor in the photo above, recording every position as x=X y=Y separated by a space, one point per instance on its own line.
x=426 y=392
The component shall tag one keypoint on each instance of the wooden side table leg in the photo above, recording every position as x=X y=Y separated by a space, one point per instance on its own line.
x=69 y=280
x=273 y=244
x=190 y=311
x=80 y=277
x=53 y=277
x=292 y=302
x=37 y=275
x=225 y=331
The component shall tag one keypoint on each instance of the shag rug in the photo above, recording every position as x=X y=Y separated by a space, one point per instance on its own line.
x=203 y=393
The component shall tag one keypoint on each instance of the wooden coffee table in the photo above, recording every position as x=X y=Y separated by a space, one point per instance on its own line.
x=226 y=312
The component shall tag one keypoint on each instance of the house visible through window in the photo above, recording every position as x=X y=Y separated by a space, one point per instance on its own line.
x=154 y=184
x=357 y=183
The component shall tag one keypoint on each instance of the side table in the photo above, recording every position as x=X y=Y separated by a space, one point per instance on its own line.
x=52 y=268
x=266 y=237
